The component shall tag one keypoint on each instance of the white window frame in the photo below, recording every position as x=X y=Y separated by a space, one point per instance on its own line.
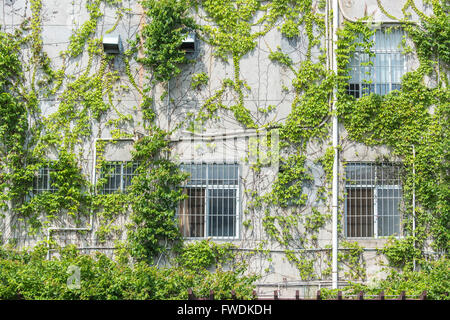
x=43 y=171
x=376 y=210
x=122 y=174
x=389 y=52
x=207 y=187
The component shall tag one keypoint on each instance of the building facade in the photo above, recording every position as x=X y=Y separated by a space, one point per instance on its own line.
x=249 y=115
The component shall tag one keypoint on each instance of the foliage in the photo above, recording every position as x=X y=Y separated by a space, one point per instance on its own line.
x=203 y=254
x=400 y=120
x=432 y=36
x=401 y=253
x=70 y=196
x=28 y=275
x=14 y=125
x=79 y=37
x=433 y=277
x=10 y=64
x=198 y=80
x=163 y=35
x=155 y=194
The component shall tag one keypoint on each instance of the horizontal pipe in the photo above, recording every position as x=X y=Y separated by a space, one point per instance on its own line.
x=303 y=283
x=302 y=250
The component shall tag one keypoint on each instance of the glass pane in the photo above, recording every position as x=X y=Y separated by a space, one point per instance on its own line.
x=222 y=212
x=359 y=212
x=112 y=173
x=388 y=212
x=191 y=213
x=388 y=64
x=129 y=170
x=360 y=174
x=197 y=172
x=222 y=174
x=388 y=174
x=43 y=182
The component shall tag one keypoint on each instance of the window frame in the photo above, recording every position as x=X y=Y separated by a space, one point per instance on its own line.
x=389 y=51
x=376 y=189
x=123 y=175
x=41 y=172
x=208 y=187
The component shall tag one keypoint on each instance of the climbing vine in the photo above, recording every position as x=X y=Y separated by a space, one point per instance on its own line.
x=169 y=23
x=402 y=120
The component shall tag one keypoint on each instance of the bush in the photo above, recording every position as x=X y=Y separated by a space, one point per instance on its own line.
x=28 y=275
x=432 y=277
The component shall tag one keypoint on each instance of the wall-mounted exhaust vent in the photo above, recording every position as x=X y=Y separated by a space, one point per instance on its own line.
x=112 y=44
x=188 y=44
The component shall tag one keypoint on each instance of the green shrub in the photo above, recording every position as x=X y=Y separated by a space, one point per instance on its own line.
x=28 y=275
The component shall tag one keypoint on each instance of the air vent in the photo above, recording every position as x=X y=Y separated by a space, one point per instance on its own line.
x=112 y=44
x=188 y=44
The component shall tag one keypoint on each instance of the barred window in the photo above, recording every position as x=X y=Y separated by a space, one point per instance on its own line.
x=388 y=65
x=373 y=199
x=42 y=182
x=211 y=209
x=118 y=175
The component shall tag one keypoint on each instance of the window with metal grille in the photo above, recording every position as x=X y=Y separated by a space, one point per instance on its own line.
x=118 y=175
x=382 y=72
x=211 y=208
x=42 y=182
x=373 y=199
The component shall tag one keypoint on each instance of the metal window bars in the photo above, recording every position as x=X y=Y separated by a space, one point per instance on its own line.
x=42 y=182
x=373 y=199
x=118 y=175
x=382 y=72
x=211 y=209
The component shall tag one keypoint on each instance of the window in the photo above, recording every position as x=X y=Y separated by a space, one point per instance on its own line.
x=387 y=69
x=211 y=209
x=118 y=176
x=373 y=198
x=42 y=182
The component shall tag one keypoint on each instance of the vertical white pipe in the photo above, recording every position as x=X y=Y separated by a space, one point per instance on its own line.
x=168 y=105
x=335 y=138
x=414 y=203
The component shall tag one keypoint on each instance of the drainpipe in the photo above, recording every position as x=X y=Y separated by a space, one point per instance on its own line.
x=94 y=178
x=414 y=204
x=335 y=138
x=168 y=105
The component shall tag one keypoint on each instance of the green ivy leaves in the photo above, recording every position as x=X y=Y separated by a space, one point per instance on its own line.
x=168 y=25
x=416 y=115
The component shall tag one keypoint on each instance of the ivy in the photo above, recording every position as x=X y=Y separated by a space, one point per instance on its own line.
x=202 y=255
x=14 y=125
x=155 y=194
x=432 y=278
x=403 y=119
x=39 y=57
x=163 y=35
x=198 y=80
